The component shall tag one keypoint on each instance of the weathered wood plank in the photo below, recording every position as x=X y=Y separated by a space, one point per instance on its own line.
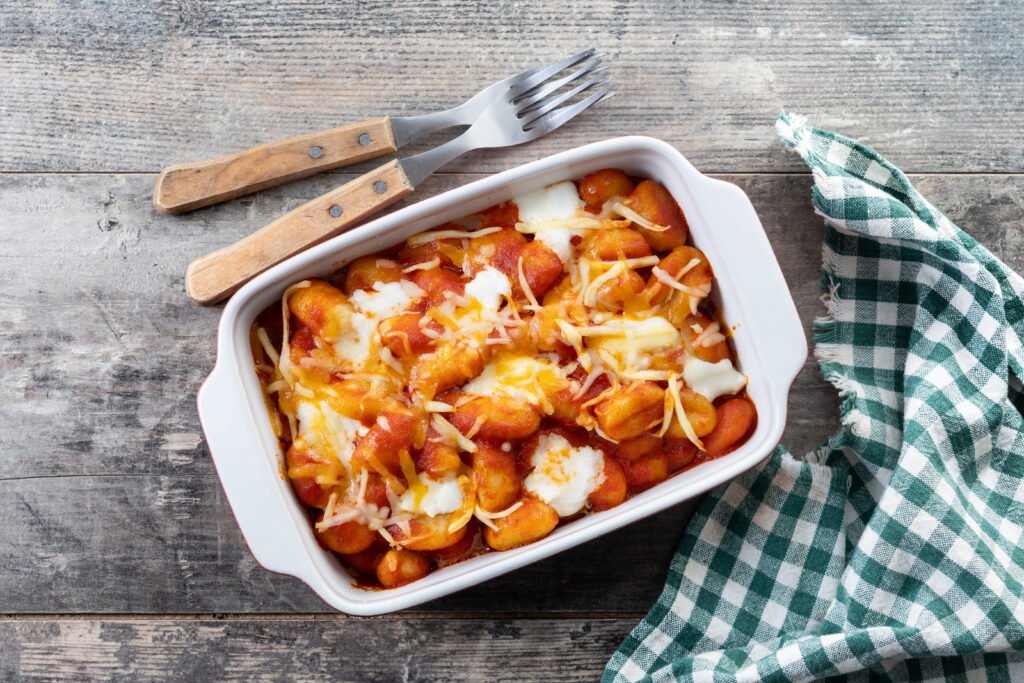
x=169 y=544
x=108 y=498
x=324 y=649
x=122 y=87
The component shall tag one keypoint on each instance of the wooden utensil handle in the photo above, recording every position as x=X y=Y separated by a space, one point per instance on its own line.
x=186 y=187
x=216 y=276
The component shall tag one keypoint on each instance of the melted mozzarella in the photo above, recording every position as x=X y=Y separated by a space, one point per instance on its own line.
x=563 y=476
x=712 y=380
x=521 y=377
x=440 y=497
x=387 y=299
x=627 y=339
x=321 y=423
x=488 y=287
x=552 y=203
x=368 y=308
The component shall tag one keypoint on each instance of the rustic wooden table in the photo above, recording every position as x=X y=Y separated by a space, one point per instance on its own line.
x=119 y=556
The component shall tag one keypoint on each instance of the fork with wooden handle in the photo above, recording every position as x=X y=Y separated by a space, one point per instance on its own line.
x=521 y=109
x=185 y=187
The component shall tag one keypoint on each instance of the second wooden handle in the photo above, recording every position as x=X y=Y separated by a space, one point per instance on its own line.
x=186 y=187
x=216 y=276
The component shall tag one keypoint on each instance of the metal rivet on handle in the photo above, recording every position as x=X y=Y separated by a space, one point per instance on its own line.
x=315 y=152
x=335 y=211
x=380 y=187
x=365 y=139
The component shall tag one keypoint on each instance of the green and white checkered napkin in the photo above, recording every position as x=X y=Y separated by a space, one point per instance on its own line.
x=893 y=552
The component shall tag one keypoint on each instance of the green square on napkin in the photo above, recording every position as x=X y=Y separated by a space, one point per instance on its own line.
x=895 y=551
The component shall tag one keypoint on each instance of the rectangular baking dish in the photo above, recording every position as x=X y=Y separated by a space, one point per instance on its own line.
x=750 y=291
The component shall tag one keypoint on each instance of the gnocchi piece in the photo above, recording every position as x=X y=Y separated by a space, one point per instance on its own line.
x=699 y=411
x=600 y=186
x=299 y=460
x=697 y=277
x=365 y=562
x=427 y=533
x=497 y=481
x=406 y=337
x=504 y=215
x=347 y=538
x=647 y=471
x=736 y=418
x=541 y=269
x=400 y=566
x=496 y=417
x=439 y=284
x=460 y=548
x=315 y=307
x=617 y=294
x=360 y=398
x=614 y=244
x=681 y=453
x=449 y=366
x=395 y=430
x=366 y=271
x=708 y=349
x=652 y=201
x=613 y=488
x=437 y=459
x=499 y=250
x=637 y=447
x=632 y=411
x=531 y=522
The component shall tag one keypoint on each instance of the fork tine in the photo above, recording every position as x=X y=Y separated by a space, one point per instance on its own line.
x=528 y=80
x=541 y=91
x=551 y=120
x=538 y=110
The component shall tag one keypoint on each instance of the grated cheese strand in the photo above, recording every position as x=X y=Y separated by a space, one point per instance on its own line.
x=425 y=237
x=426 y=265
x=684 y=422
x=633 y=216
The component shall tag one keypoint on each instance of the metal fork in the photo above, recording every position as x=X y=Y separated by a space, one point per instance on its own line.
x=532 y=105
x=185 y=187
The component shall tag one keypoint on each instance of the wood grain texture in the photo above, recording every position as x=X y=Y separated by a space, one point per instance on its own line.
x=215 y=276
x=405 y=649
x=108 y=497
x=189 y=186
x=118 y=86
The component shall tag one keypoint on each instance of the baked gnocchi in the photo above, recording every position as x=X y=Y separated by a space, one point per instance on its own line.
x=487 y=380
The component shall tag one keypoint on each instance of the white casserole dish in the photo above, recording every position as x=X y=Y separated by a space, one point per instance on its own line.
x=750 y=291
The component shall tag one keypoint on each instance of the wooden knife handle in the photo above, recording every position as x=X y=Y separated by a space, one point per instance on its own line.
x=216 y=276
x=185 y=187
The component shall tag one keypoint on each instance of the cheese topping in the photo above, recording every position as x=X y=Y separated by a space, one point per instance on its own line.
x=628 y=340
x=386 y=300
x=712 y=380
x=526 y=378
x=439 y=497
x=321 y=424
x=563 y=476
x=488 y=288
x=547 y=206
x=568 y=341
x=359 y=320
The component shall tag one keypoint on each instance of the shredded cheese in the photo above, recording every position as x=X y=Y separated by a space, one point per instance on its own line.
x=684 y=422
x=425 y=237
x=426 y=265
x=633 y=216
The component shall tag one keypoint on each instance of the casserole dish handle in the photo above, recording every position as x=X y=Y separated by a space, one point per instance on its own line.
x=250 y=482
x=782 y=338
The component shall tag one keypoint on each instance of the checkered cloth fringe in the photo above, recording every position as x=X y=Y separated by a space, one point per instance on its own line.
x=893 y=552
